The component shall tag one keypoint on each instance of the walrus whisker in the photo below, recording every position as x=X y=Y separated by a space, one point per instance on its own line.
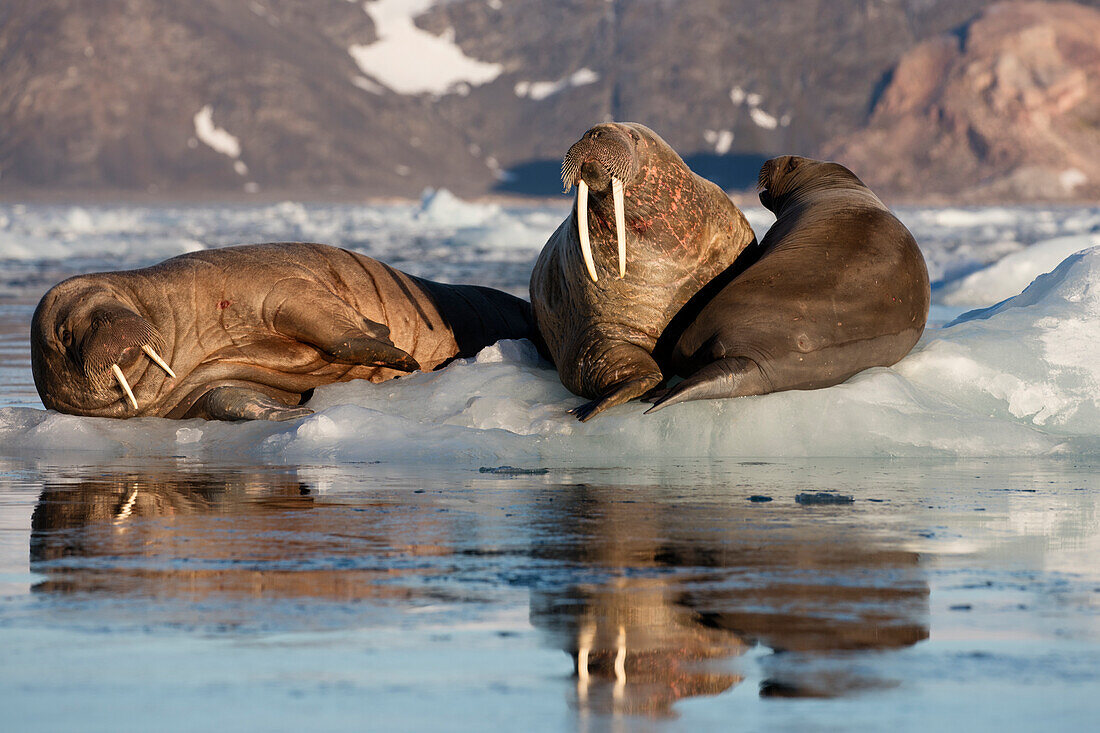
x=124 y=384
x=152 y=354
x=582 y=228
x=620 y=223
x=569 y=168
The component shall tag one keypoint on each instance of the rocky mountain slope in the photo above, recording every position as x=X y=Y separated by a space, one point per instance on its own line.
x=323 y=98
x=1006 y=109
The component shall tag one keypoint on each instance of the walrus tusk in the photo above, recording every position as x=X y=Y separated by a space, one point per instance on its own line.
x=620 y=223
x=125 y=385
x=582 y=228
x=159 y=362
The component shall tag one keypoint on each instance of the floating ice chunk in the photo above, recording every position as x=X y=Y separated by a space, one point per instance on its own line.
x=1009 y=275
x=188 y=435
x=974 y=217
x=440 y=206
x=1034 y=356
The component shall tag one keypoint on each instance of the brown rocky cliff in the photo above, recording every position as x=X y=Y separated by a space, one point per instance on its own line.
x=1007 y=109
x=108 y=96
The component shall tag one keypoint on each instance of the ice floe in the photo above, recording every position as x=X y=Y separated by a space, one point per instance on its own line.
x=1016 y=378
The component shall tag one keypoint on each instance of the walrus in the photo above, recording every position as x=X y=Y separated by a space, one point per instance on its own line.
x=839 y=285
x=644 y=235
x=247 y=332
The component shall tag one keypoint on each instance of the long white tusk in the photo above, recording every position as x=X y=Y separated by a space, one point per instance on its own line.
x=159 y=362
x=125 y=385
x=582 y=228
x=620 y=223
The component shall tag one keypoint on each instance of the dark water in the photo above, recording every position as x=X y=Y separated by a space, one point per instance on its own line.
x=174 y=595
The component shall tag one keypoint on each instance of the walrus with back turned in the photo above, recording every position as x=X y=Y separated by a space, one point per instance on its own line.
x=645 y=234
x=246 y=332
x=840 y=286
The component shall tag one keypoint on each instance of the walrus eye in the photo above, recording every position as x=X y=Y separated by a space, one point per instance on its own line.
x=791 y=165
x=66 y=338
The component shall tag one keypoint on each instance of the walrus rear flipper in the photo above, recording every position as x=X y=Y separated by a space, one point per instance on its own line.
x=303 y=311
x=240 y=403
x=732 y=377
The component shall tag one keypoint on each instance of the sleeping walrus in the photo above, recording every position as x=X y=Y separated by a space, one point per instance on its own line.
x=246 y=332
x=644 y=236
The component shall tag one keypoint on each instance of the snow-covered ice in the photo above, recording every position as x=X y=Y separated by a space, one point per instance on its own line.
x=1019 y=378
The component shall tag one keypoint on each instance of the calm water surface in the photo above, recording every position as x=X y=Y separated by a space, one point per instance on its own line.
x=172 y=596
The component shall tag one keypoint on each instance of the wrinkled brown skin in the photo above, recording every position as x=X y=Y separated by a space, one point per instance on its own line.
x=840 y=286
x=250 y=330
x=682 y=230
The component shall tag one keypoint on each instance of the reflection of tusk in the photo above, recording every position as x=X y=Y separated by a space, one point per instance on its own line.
x=620 y=657
x=159 y=362
x=584 y=646
x=125 y=385
x=128 y=507
x=620 y=666
x=620 y=223
x=582 y=228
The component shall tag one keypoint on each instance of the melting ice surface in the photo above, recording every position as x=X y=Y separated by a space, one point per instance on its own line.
x=1020 y=378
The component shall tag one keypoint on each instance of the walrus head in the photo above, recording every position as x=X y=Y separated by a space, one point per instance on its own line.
x=85 y=337
x=783 y=177
x=606 y=157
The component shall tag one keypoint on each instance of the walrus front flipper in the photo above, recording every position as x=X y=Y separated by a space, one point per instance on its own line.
x=623 y=372
x=618 y=395
x=732 y=377
x=241 y=403
x=306 y=312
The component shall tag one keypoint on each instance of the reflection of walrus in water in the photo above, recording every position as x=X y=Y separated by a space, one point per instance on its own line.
x=644 y=236
x=247 y=332
x=166 y=533
x=664 y=606
x=840 y=286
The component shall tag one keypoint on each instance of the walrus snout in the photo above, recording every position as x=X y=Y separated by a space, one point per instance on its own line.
x=603 y=154
x=603 y=158
x=114 y=340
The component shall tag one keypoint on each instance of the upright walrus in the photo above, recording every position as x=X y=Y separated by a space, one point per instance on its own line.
x=626 y=260
x=246 y=332
x=840 y=286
